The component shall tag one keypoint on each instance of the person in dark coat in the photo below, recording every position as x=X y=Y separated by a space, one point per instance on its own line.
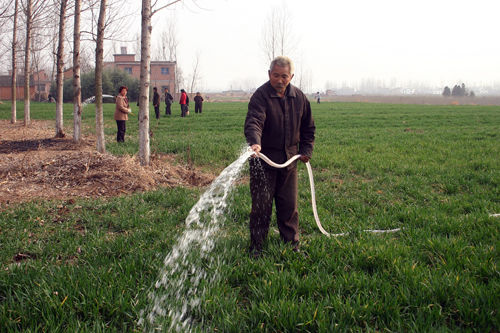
x=279 y=124
x=198 y=103
x=169 y=99
x=156 y=102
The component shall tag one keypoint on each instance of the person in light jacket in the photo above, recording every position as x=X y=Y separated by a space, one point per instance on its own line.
x=122 y=110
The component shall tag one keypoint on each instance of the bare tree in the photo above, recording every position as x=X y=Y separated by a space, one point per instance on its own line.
x=86 y=60
x=77 y=88
x=305 y=79
x=53 y=55
x=43 y=34
x=278 y=38
x=195 y=76
x=146 y=28
x=36 y=12
x=60 y=71
x=303 y=76
x=9 y=12
x=4 y=11
x=169 y=42
x=14 y=66
x=99 y=65
x=179 y=79
x=27 y=64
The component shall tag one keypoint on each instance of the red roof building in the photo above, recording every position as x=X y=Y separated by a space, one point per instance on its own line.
x=39 y=86
x=162 y=72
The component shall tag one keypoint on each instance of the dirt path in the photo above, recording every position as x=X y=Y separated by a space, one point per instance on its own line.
x=35 y=165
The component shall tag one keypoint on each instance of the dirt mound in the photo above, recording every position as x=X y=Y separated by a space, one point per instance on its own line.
x=35 y=165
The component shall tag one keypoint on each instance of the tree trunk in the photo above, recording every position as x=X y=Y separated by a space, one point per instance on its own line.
x=77 y=88
x=144 y=148
x=60 y=69
x=27 y=64
x=13 y=118
x=99 y=54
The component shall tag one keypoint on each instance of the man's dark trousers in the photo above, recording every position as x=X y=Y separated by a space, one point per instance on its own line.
x=267 y=184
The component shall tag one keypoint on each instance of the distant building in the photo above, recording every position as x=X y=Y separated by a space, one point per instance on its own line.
x=68 y=73
x=162 y=72
x=39 y=86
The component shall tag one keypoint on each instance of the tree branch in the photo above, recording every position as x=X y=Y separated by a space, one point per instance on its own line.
x=167 y=5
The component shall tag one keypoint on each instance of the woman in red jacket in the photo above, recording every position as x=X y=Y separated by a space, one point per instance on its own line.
x=183 y=103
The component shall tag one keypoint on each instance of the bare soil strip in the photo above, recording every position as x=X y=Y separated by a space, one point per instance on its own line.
x=35 y=165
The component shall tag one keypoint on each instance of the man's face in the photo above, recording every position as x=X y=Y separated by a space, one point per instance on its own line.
x=280 y=77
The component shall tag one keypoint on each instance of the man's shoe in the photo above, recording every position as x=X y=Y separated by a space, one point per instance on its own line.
x=255 y=251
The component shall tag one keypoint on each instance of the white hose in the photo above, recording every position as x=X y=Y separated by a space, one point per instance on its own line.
x=313 y=195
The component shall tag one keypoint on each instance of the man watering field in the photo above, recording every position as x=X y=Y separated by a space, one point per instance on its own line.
x=279 y=124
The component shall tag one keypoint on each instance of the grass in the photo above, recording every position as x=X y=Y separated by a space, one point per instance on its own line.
x=432 y=170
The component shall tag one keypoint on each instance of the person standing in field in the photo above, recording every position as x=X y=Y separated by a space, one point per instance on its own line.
x=318 y=97
x=183 y=102
x=198 y=103
x=156 y=102
x=168 y=102
x=122 y=110
x=279 y=124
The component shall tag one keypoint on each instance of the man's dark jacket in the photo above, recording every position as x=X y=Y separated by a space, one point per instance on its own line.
x=156 y=99
x=168 y=98
x=283 y=127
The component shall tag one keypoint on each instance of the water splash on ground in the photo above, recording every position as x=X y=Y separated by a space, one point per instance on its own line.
x=177 y=293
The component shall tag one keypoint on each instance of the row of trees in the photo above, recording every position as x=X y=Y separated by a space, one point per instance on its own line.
x=111 y=80
x=93 y=21
x=36 y=19
x=458 y=91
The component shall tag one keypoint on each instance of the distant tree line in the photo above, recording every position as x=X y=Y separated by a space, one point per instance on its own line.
x=112 y=79
x=458 y=91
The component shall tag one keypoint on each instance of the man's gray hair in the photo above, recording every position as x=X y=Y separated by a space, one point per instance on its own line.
x=282 y=61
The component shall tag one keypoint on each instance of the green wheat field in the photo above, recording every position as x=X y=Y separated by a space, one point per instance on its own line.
x=433 y=171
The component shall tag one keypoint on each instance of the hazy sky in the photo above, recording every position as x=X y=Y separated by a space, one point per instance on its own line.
x=436 y=42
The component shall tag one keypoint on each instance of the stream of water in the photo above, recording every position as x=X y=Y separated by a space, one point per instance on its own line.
x=177 y=291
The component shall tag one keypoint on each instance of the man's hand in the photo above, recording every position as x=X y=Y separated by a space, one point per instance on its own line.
x=256 y=148
x=304 y=158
